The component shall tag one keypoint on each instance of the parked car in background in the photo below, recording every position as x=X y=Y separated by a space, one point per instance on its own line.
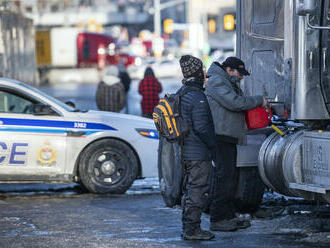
x=46 y=140
x=171 y=47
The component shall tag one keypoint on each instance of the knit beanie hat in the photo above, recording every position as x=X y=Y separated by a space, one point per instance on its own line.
x=191 y=66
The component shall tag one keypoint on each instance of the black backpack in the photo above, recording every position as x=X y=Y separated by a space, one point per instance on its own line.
x=168 y=118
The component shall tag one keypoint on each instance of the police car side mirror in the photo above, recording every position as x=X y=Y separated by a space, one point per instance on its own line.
x=71 y=104
x=42 y=109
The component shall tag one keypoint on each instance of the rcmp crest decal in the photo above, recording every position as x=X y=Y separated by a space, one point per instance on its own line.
x=47 y=155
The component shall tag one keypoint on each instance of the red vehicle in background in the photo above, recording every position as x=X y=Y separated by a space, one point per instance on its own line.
x=94 y=50
x=126 y=59
x=99 y=50
x=67 y=54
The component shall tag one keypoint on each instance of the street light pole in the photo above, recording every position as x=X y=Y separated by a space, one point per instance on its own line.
x=157 y=8
x=157 y=20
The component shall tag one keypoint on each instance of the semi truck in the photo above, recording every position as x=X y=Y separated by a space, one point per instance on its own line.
x=285 y=46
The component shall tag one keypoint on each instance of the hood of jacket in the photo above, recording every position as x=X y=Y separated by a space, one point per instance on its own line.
x=110 y=79
x=217 y=69
x=194 y=82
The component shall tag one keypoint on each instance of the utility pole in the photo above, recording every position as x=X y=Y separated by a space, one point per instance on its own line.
x=158 y=43
x=157 y=17
x=157 y=20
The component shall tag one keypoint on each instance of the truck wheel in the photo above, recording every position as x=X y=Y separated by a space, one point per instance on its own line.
x=170 y=172
x=250 y=190
x=108 y=166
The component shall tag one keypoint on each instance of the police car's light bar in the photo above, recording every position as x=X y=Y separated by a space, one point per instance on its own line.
x=149 y=133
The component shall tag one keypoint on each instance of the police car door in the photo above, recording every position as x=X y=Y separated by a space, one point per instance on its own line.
x=32 y=144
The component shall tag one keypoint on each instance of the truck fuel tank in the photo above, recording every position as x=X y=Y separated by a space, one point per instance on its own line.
x=297 y=163
x=280 y=161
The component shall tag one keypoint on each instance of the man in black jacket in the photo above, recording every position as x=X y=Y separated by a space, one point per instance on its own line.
x=197 y=148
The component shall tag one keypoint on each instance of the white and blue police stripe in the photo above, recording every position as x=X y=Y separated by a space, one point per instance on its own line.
x=47 y=126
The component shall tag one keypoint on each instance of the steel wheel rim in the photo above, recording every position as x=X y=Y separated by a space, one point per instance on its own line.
x=109 y=167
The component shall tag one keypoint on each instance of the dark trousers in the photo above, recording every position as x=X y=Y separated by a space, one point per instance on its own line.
x=196 y=187
x=224 y=181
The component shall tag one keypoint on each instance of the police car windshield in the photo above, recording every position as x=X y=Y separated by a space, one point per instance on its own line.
x=56 y=101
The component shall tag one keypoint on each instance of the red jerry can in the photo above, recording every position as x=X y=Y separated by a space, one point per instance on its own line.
x=258 y=117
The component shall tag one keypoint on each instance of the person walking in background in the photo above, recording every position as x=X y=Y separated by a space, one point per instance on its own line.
x=126 y=81
x=124 y=76
x=110 y=93
x=197 y=148
x=228 y=105
x=149 y=88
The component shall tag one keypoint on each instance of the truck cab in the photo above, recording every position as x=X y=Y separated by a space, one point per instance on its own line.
x=285 y=45
x=95 y=50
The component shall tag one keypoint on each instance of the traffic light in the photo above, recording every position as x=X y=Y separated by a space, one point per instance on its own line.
x=229 y=22
x=212 y=26
x=168 y=26
x=99 y=28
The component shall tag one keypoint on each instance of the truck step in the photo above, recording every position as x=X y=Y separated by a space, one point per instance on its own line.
x=310 y=187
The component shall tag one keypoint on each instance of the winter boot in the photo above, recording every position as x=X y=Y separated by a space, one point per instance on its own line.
x=224 y=225
x=198 y=234
x=243 y=223
x=230 y=225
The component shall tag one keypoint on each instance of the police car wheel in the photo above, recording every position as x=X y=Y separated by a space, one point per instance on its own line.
x=108 y=166
x=170 y=172
x=250 y=190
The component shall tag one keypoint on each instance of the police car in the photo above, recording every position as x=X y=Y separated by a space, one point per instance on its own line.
x=45 y=140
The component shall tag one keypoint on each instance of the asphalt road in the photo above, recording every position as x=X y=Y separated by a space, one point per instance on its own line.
x=130 y=220
x=83 y=95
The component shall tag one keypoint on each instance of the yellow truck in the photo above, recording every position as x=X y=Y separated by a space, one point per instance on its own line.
x=43 y=53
